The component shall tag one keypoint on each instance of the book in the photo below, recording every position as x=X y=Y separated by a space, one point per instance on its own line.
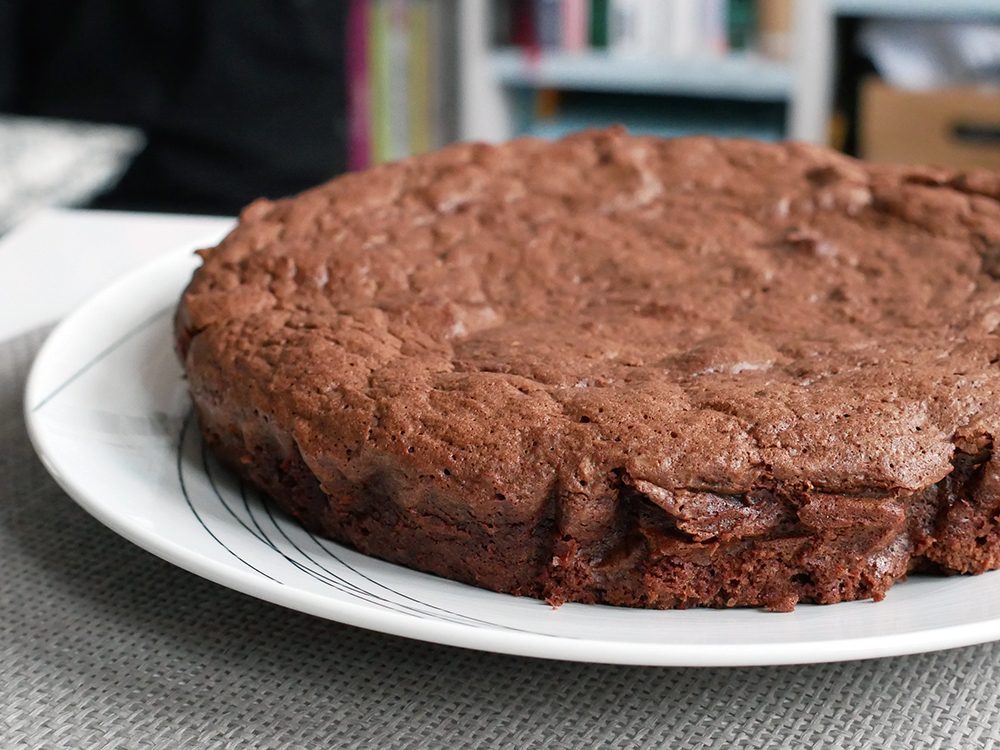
x=623 y=22
x=598 y=37
x=575 y=24
x=437 y=71
x=359 y=149
x=774 y=28
x=685 y=37
x=378 y=80
x=419 y=81
x=741 y=23
x=444 y=90
x=659 y=29
x=640 y=28
x=400 y=64
x=523 y=31
x=547 y=104
x=712 y=23
x=646 y=28
x=397 y=51
x=548 y=23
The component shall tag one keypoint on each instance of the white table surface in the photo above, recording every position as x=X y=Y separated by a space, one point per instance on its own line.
x=56 y=259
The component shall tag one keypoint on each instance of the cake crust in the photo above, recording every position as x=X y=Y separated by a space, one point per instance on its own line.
x=645 y=372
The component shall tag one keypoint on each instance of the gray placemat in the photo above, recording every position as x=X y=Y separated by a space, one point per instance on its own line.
x=103 y=645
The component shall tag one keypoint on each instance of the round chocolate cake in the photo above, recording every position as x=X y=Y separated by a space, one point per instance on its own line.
x=645 y=372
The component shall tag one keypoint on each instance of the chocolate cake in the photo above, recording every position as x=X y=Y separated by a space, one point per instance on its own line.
x=644 y=372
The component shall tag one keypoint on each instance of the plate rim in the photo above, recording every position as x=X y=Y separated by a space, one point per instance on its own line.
x=495 y=640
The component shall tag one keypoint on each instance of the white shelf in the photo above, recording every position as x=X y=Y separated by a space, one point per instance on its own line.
x=737 y=76
x=954 y=10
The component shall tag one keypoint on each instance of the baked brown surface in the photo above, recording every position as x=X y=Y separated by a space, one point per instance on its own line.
x=655 y=373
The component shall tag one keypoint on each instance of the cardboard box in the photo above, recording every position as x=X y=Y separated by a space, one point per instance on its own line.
x=954 y=127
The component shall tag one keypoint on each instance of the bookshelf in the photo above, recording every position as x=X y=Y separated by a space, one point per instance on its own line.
x=494 y=81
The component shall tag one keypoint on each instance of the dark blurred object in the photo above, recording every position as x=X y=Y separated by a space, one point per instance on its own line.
x=237 y=98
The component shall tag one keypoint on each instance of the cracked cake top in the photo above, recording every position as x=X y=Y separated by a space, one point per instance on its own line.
x=689 y=314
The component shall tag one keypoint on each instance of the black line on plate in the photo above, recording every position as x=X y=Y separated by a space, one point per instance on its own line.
x=258 y=535
x=215 y=489
x=457 y=619
x=102 y=355
x=347 y=587
x=187 y=497
x=307 y=556
x=391 y=590
x=331 y=579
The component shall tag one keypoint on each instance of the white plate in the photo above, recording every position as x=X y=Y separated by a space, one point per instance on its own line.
x=108 y=412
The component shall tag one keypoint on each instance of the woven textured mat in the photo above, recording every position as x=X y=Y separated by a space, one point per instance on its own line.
x=103 y=645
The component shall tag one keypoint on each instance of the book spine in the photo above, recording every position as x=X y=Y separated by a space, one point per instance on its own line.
x=547 y=104
x=713 y=26
x=741 y=20
x=575 y=25
x=397 y=43
x=379 y=81
x=652 y=22
x=358 y=92
x=444 y=77
x=524 y=30
x=683 y=28
x=548 y=23
x=436 y=70
x=598 y=24
x=623 y=26
x=774 y=27
x=419 y=70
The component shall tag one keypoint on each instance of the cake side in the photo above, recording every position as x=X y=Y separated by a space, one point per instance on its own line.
x=815 y=551
x=723 y=373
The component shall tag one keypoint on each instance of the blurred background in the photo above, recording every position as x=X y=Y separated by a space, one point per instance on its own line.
x=200 y=107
